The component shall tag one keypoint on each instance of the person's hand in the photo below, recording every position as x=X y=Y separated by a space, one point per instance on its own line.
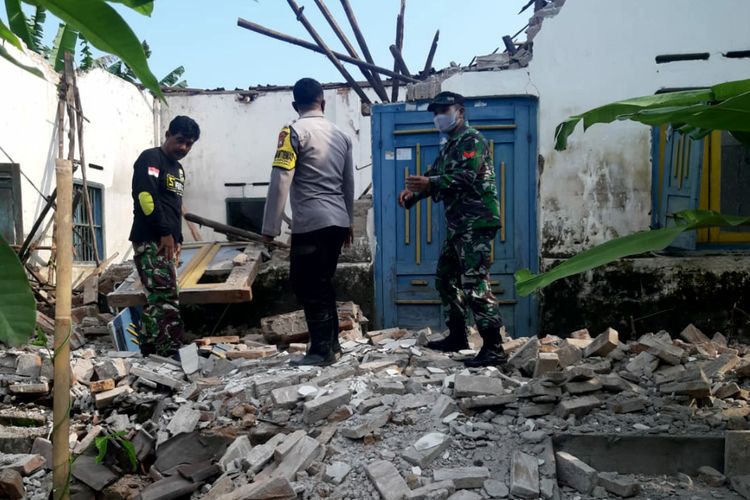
x=267 y=239
x=167 y=247
x=177 y=253
x=417 y=183
x=404 y=196
x=349 y=238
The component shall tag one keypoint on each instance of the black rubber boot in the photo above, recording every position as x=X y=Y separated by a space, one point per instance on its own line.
x=335 y=332
x=456 y=339
x=491 y=353
x=320 y=352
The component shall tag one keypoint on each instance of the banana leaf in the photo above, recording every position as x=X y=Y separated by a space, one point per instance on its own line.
x=65 y=41
x=106 y=30
x=634 y=244
x=172 y=77
x=8 y=36
x=725 y=106
x=17 y=305
x=18 y=24
x=145 y=7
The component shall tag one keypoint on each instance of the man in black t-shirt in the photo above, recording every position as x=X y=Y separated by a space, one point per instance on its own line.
x=158 y=184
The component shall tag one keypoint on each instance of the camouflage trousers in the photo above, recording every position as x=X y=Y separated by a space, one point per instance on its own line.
x=463 y=279
x=162 y=329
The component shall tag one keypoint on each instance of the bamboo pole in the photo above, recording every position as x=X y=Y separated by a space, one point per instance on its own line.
x=379 y=89
x=359 y=36
x=399 y=60
x=400 y=45
x=61 y=394
x=310 y=29
x=60 y=152
x=257 y=28
x=82 y=157
x=231 y=230
x=430 y=56
x=63 y=293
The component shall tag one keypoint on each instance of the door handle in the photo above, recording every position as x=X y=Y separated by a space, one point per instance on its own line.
x=418 y=236
x=502 y=201
x=407 y=229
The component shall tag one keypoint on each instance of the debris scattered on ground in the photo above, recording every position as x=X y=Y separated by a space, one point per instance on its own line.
x=389 y=419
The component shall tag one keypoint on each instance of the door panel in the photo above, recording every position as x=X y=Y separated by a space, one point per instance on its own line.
x=406 y=143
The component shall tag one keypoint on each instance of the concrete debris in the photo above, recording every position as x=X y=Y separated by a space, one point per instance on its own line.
x=524 y=475
x=11 y=484
x=463 y=477
x=391 y=418
x=387 y=480
x=574 y=473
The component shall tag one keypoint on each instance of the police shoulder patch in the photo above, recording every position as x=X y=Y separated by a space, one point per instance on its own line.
x=286 y=156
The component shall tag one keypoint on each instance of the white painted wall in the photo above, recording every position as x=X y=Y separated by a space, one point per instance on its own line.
x=120 y=125
x=238 y=142
x=595 y=52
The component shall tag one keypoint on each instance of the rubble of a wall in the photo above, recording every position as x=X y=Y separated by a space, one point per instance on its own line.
x=390 y=419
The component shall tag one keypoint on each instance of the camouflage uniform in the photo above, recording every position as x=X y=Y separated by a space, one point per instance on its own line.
x=162 y=329
x=463 y=178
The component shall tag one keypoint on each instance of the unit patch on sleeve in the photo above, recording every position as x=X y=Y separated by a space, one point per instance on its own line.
x=286 y=156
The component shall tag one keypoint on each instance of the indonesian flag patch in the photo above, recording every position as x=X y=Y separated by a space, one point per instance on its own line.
x=153 y=171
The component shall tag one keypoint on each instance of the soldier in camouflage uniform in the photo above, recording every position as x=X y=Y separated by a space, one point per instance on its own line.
x=463 y=178
x=158 y=184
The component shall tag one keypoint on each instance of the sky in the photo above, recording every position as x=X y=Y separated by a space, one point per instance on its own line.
x=205 y=39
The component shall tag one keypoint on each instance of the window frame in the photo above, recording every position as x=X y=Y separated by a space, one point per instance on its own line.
x=77 y=183
x=709 y=192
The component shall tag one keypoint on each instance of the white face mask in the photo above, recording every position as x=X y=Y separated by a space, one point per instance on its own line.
x=445 y=122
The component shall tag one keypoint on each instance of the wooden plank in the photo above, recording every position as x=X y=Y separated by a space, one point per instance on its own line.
x=227 y=339
x=235 y=289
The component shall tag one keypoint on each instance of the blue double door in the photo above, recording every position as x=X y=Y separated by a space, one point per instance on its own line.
x=405 y=143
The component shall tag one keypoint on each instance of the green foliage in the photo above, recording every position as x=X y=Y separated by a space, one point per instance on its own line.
x=102 y=443
x=65 y=41
x=18 y=24
x=173 y=78
x=633 y=244
x=17 y=305
x=41 y=338
x=96 y=20
x=122 y=70
x=87 y=57
x=36 y=27
x=693 y=112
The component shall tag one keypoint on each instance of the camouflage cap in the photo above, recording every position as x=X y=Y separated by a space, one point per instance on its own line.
x=445 y=99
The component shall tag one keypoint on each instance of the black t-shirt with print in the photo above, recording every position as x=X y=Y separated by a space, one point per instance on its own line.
x=158 y=184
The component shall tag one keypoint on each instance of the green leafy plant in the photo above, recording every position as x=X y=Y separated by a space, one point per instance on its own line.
x=633 y=244
x=17 y=305
x=725 y=106
x=40 y=339
x=102 y=444
x=695 y=113
x=96 y=20
x=121 y=69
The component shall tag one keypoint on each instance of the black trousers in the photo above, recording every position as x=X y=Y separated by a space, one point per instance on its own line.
x=313 y=259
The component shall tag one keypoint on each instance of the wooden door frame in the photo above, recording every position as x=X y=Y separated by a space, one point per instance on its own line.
x=14 y=169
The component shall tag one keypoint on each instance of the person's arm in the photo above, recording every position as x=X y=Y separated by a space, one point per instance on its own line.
x=461 y=169
x=420 y=189
x=349 y=182
x=282 y=173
